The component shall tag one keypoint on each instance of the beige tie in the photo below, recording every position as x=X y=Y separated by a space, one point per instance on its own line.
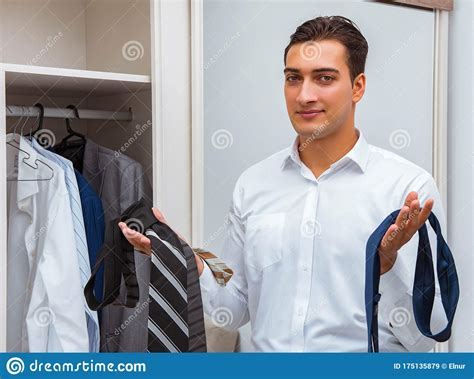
x=222 y=273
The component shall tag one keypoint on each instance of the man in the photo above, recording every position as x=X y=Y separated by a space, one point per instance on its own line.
x=300 y=220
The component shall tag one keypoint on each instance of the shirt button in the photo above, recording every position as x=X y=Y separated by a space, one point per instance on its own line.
x=305 y=268
x=300 y=312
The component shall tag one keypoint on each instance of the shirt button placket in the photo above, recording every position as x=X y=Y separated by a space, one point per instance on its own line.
x=304 y=276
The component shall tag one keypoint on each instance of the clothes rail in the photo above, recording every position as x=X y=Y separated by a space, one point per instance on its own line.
x=84 y=114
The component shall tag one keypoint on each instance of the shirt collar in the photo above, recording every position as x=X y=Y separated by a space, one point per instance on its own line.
x=359 y=153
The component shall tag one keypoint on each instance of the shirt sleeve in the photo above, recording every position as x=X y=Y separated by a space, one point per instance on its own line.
x=227 y=305
x=396 y=285
x=56 y=319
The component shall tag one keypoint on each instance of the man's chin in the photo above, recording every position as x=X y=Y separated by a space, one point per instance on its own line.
x=314 y=132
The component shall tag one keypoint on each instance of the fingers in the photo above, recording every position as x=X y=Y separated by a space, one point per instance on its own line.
x=402 y=216
x=127 y=232
x=392 y=237
x=138 y=240
x=410 y=197
x=425 y=211
x=159 y=215
x=413 y=205
x=418 y=216
x=410 y=218
x=388 y=238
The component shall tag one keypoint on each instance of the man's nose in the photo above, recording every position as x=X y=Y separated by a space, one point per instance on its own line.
x=307 y=94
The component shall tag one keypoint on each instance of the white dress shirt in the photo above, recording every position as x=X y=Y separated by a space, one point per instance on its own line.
x=297 y=246
x=45 y=299
x=79 y=236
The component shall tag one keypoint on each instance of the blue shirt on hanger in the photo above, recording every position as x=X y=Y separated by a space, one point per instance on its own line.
x=93 y=212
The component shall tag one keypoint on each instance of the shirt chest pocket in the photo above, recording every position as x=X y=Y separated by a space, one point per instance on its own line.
x=264 y=240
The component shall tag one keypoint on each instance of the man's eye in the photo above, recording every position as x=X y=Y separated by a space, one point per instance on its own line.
x=326 y=78
x=291 y=78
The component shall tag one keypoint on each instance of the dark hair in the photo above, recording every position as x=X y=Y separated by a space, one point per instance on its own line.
x=337 y=28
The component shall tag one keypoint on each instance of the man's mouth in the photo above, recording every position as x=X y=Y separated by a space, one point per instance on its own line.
x=309 y=114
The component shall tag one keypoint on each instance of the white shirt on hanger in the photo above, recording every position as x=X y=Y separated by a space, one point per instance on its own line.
x=79 y=235
x=45 y=300
x=297 y=245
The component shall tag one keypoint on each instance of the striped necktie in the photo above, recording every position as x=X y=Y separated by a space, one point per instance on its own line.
x=423 y=287
x=175 y=313
x=168 y=314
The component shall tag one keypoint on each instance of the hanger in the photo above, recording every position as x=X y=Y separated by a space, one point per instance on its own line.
x=17 y=122
x=71 y=132
x=35 y=167
x=28 y=156
x=74 y=149
x=41 y=119
x=25 y=111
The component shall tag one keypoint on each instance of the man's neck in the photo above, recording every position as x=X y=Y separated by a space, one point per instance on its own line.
x=319 y=154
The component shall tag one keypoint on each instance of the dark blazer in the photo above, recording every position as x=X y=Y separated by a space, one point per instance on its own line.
x=120 y=181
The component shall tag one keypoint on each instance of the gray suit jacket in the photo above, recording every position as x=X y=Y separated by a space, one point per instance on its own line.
x=120 y=181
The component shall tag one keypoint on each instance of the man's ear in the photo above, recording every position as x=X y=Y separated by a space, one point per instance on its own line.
x=358 y=87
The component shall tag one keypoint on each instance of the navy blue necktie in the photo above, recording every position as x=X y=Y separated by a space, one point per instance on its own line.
x=423 y=287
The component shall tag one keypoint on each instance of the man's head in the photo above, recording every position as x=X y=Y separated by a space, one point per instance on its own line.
x=324 y=75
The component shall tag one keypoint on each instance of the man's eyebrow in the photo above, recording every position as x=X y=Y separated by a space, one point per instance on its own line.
x=315 y=71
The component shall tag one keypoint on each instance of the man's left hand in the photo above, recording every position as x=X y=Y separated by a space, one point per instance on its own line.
x=409 y=220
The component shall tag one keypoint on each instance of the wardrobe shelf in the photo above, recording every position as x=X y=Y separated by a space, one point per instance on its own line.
x=37 y=80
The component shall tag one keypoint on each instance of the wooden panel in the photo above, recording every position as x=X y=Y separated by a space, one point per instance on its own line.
x=446 y=5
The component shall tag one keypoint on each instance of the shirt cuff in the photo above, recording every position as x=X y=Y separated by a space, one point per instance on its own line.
x=206 y=280
x=396 y=309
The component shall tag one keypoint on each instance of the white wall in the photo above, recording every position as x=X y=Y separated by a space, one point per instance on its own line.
x=241 y=68
x=243 y=85
x=461 y=166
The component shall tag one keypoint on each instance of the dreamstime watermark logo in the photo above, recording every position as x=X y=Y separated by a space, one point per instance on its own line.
x=216 y=233
x=135 y=224
x=310 y=228
x=314 y=135
x=44 y=316
x=396 y=52
x=310 y=50
x=222 y=139
x=399 y=316
x=15 y=366
x=397 y=231
x=36 y=236
x=140 y=129
x=45 y=138
x=52 y=41
x=132 y=50
x=222 y=317
x=132 y=317
x=400 y=139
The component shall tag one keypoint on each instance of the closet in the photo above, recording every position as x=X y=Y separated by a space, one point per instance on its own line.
x=94 y=54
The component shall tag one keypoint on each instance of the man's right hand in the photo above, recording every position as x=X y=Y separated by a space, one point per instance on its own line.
x=142 y=243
